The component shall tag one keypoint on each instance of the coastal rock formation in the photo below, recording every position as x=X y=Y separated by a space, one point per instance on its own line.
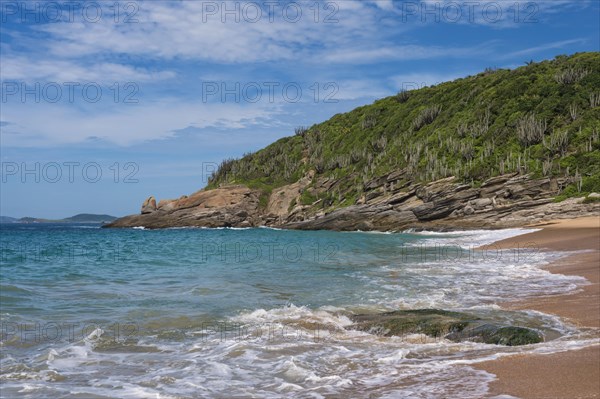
x=223 y=207
x=502 y=201
x=285 y=197
x=149 y=205
x=454 y=326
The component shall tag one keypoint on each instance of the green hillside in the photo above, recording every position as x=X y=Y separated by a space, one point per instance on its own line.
x=542 y=119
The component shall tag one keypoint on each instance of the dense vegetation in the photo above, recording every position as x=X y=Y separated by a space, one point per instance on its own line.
x=542 y=119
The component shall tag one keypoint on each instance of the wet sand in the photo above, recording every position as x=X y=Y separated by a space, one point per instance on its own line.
x=571 y=374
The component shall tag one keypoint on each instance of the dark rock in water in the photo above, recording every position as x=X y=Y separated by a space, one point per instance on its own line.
x=514 y=336
x=455 y=326
x=498 y=335
x=432 y=322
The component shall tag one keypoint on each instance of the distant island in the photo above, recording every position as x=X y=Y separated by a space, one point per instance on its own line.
x=80 y=218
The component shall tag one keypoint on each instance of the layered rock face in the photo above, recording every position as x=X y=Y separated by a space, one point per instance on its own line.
x=388 y=205
x=223 y=207
x=502 y=201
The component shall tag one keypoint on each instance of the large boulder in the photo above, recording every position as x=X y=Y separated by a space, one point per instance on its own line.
x=454 y=326
x=432 y=322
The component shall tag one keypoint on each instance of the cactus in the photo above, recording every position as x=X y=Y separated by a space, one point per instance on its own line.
x=300 y=131
x=571 y=75
x=426 y=116
x=573 y=111
x=594 y=100
x=557 y=142
x=546 y=167
x=530 y=130
x=368 y=122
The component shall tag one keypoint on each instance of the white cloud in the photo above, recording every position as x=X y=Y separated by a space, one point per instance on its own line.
x=57 y=70
x=548 y=46
x=184 y=30
x=357 y=89
x=176 y=35
x=40 y=124
x=384 y=4
x=407 y=52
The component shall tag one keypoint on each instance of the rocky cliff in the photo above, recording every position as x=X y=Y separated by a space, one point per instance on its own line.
x=490 y=150
x=502 y=201
x=224 y=207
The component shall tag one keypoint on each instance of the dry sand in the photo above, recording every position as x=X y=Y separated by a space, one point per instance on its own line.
x=572 y=374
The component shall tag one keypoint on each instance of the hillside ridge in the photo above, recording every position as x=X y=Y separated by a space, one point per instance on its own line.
x=479 y=150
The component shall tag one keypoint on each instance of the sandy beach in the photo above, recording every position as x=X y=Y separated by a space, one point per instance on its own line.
x=572 y=374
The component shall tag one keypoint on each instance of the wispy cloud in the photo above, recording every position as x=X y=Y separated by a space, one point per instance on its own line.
x=46 y=124
x=175 y=43
x=24 y=68
x=400 y=53
x=185 y=30
x=561 y=44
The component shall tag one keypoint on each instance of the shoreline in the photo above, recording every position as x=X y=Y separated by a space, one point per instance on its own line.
x=569 y=374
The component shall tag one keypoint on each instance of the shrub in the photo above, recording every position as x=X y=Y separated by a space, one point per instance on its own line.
x=402 y=96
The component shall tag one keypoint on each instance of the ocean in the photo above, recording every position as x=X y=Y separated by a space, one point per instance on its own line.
x=87 y=312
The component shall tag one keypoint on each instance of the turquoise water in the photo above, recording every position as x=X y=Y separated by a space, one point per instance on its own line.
x=185 y=313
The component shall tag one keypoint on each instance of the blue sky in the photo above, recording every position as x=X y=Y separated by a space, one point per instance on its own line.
x=153 y=94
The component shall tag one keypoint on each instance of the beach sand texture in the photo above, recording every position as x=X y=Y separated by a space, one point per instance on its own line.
x=571 y=374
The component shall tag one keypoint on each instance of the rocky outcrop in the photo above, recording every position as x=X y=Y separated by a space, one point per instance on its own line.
x=223 y=207
x=390 y=203
x=454 y=326
x=359 y=217
x=149 y=205
x=502 y=201
x=284 y=198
